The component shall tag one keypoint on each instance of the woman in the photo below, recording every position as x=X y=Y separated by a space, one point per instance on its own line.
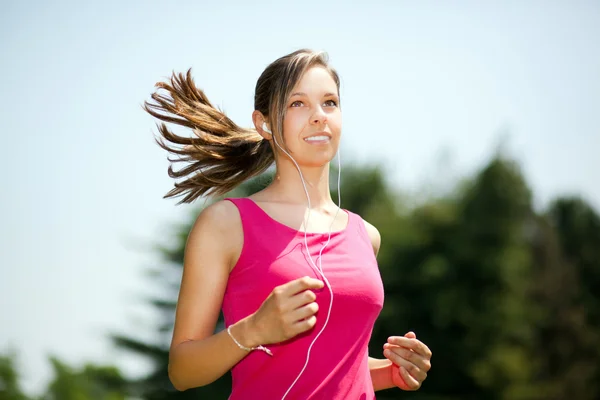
x=295 y=276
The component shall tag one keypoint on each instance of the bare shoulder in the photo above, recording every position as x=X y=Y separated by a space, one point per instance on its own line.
x=374 y=235
x=220 y=213
x=220 y=225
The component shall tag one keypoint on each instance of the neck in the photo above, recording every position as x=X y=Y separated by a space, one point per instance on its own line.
x=288 y=184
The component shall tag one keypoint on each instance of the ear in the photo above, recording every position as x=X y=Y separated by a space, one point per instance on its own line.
x=258 y=119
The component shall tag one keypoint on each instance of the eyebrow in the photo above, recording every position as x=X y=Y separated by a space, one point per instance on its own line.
x=304 y=94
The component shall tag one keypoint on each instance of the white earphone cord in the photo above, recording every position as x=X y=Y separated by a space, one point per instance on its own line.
x=320 y=269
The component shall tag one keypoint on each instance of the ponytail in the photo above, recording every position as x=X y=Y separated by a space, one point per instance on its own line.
x=220 y=155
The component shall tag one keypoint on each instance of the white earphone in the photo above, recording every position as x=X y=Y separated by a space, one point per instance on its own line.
x=264 y=127
x=318 y=268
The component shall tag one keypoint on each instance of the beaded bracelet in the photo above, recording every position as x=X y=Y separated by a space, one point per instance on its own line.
x=248 y=348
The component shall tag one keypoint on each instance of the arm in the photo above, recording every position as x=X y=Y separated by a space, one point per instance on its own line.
x=197 y=356
x=381 y=373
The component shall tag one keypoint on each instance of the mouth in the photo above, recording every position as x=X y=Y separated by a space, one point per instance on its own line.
x=318 y=138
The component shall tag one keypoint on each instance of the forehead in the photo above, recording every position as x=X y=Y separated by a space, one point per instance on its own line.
x=315 y=80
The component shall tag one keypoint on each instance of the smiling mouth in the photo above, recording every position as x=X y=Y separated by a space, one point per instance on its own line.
x=318 y=139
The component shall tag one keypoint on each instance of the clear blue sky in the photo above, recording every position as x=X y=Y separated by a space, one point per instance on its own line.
x=421 y=81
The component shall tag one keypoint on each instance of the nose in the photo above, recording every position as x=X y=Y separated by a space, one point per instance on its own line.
x=318 y=117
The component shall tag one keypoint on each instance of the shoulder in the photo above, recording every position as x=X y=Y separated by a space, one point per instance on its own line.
x=374 y=235
x=218 y=217
x=220 y=225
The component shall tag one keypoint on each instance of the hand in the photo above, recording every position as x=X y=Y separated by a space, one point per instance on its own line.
x=288 y=311
x=411 y=360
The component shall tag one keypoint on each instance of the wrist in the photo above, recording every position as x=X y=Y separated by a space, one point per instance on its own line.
x=244 y=332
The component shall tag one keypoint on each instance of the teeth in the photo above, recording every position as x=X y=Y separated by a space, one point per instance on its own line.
x=315 y=138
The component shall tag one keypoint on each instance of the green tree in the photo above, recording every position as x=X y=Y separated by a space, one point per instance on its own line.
x=10 y=388
x=567 y=250
x=455 y=271
x=91 y=382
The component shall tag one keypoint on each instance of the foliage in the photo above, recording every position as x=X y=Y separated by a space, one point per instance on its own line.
x=91 y=382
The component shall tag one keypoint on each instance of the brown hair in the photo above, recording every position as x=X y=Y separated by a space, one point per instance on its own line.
x=221 y=154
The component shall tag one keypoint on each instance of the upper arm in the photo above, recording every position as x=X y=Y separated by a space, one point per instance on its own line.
x=213 y=245
x=374 y=235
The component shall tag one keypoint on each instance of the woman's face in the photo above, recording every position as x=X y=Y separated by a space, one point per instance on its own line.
x=313 y=121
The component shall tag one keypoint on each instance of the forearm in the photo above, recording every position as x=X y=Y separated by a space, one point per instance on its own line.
x=198 y=363
x=381 y=375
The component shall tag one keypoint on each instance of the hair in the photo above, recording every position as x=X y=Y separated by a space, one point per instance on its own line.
x=220 y=154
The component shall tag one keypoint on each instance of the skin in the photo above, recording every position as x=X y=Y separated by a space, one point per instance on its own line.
x=216 y=239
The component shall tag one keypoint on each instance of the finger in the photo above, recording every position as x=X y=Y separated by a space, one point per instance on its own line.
x=408 y=379
x=412 y=357
x=410 y=335
x=301 y=299
x=394 y=346
x=304 y=312
x=413 y=370
x=417 y=374
x=304 y=325
x=413 y=344
x=301 y=284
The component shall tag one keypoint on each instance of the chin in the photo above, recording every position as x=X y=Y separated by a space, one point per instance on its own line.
x=314 y=159
x=317 y=162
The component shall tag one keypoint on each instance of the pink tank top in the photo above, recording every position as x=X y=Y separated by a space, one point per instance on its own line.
x=274 y=254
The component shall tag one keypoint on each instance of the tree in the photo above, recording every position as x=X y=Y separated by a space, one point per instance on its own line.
x=91 y=382
x=10 y=388
x=567 y=251
x=456 y=273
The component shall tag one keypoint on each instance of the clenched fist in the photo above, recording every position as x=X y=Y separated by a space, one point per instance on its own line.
x=288 y=311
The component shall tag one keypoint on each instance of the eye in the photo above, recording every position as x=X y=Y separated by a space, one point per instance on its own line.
x=331 y=103
x=296 y=103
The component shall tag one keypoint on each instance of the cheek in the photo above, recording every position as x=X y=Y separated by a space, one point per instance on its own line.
x=293 y=125
x=292 y=119
x=335 y=123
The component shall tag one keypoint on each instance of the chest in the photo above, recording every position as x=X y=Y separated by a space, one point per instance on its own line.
x=299 y=218
x=348 y=265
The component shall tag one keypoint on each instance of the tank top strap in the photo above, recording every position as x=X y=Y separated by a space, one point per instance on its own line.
x=255 y=222
x=357 y=225
x=242 y=205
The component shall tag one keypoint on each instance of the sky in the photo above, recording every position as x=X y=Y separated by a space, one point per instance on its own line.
x=430 y=89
